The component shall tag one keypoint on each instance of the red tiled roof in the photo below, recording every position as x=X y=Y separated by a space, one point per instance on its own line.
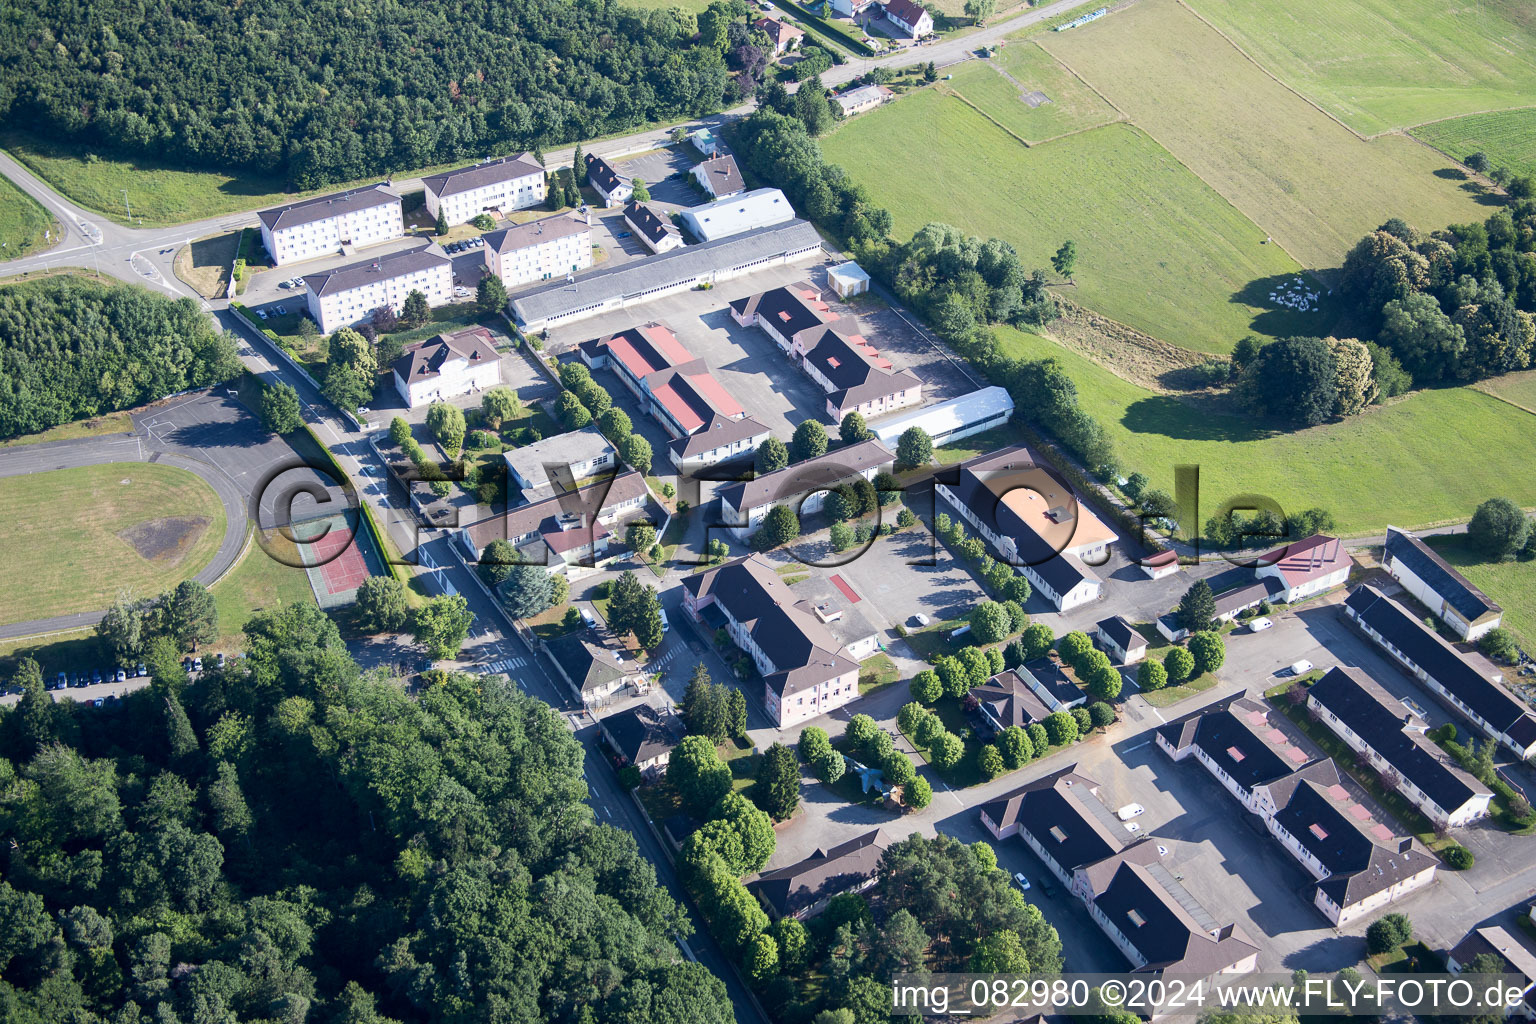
x=1309 y=559
x=646 y=349
x=675 y=404
x=716 y=395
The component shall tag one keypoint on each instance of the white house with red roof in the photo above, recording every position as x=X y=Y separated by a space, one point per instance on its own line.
x=1307 y=567
x=783 y=36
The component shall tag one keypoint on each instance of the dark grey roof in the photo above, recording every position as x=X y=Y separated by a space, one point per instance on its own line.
x=380 y=268
x=1148 y=907
x=648 y=222
x=535 y=232
x=307 y=211
x=1122 y=633
x=804 y=651
x=1062 y=572
x=824 y=874
x=642 y=732
x=467 y=179
x=1444 y=664
x=835 y=467
x=855 y=378
x=720 y=430
x=1239 y=739
x=587 y=664
x=1050 y=676
x=547 y=515
x=1427 y=565
x=786 y=308
x=1378 y=720
x=1357 y=865
x=667 y=269
x=601 y=173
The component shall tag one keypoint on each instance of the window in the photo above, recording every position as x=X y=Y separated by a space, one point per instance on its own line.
x=1135 y=917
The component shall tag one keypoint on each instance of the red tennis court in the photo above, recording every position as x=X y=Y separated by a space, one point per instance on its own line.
x=333 y=555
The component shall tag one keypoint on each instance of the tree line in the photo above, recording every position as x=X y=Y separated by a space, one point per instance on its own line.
x=314 y=93
x=293 y=839
x=72 y=348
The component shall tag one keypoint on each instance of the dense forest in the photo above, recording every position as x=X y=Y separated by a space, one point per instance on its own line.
x=71 y=348
x=318 y=91
x=291 y=840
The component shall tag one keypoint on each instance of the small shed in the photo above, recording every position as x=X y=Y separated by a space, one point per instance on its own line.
x=1164 y=563
x=705 y=142
x=848 y=279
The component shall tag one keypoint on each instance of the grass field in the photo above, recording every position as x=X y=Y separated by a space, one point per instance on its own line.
x=1382 y=64
x=23 y=222
x=1157 y=249
x=1511 y=584
x=109 y=423
x=1519 y=388
x=1507 y=136
x=1298 y=174
x=62 y=535
x=256 y=583
x=1072 y=107
x=1426 y=459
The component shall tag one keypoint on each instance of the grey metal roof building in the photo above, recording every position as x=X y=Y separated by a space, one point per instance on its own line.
x=651 y=278
x=308 y=211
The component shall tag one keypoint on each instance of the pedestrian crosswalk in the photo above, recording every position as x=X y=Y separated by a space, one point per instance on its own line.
x=660 y=660
x=502 y=667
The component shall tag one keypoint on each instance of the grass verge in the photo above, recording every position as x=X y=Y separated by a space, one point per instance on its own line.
x=23 y=222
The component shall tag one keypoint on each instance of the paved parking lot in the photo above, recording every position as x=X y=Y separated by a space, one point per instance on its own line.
x=884 y=574
x=656 y=169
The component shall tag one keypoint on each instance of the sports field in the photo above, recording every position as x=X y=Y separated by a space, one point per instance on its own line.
x=1423 y=460
x=1507 y=136
x=1383 y=64
x=257 y=583
x=1512 y=584
x=75 y=537
x=1157 y=249
x=997 y=87
x=23 y=222
x=1294 y=171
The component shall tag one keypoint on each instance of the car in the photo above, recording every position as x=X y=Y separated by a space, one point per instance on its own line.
x=219 y=659
x=920 y=619
x=261 y=313
x=665 y=625
x=142 y=670
x=282 y=310
x=477 y=242
x=1047 y=886
x=95 y=676
x=197 y=664
x=62 y=680
x=588 y=618
x=98 y=702
x=120 y=676
x=78 y=680
x=285 y=284
x=1301 y=667
x=1132 y=827
x=1130 y=811
x=624 y=234
x=1260 y=624
x=1021 y=881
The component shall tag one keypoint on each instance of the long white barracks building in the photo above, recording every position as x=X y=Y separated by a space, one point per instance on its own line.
x=325 y=225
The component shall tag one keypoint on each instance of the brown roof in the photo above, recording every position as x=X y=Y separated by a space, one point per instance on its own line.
x=648 y=222
x=548 y=517
x=825 y=873
x=1308 y=560
x=908 y=11
x=778 y=31
x=545 y=229
x=467 y=179
x=424 y=360
x=721 y=175
x=1010 y=700
x=720 y=430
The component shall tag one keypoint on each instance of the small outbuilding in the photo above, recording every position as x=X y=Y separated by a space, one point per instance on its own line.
x=848 y=279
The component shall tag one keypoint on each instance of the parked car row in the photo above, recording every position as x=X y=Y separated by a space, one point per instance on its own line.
x=292 y=282
x=76 y=680
x=464 y=246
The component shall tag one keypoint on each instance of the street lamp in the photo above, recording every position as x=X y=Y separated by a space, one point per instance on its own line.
x=126 y=206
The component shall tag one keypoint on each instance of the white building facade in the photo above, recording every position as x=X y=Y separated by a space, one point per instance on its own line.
x=350 y=294
x=511 y=183
x=541 y=249
x=325 y=225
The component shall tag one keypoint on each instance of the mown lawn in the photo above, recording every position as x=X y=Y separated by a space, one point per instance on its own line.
x=1511 y=584
x=1519 y=388
x=1382 y=64
x=1301 y=176
x=1157 y=249
x=64 y=551
x=1508 y=137
x=257 y=583
x=23 y=222
x=1072 y=107
x=95 y=426
x=1429 y=458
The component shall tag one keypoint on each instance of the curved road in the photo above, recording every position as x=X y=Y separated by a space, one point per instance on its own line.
x=141 y=446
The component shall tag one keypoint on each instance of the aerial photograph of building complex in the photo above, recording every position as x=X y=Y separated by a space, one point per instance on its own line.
x=756 y=511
